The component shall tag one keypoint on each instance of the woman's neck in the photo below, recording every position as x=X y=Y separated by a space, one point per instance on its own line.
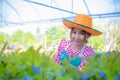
x=76 y=47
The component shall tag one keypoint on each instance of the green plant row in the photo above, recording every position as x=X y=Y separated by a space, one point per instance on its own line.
x=33 y=65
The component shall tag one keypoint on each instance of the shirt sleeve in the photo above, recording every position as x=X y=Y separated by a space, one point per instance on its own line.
x=61 y=46
x=88 y=52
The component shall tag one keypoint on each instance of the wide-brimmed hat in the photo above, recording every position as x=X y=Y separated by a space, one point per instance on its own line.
x=82 y=22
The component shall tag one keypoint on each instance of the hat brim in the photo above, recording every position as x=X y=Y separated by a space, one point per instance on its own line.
x=70 y=25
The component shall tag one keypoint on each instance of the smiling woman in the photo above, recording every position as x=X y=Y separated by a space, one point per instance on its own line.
x=75 y=50
x=82 y=35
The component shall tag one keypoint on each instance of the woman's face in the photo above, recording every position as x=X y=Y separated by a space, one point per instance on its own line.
x=78 y=36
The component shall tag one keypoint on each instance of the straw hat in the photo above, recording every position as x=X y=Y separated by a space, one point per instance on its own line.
x=82 y=22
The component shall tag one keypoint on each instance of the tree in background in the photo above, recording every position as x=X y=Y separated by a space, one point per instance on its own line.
x=3 y=37
x=53 y=36
x=21 y=38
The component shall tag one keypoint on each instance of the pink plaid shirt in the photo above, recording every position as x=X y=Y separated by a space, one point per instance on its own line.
x=87 y=51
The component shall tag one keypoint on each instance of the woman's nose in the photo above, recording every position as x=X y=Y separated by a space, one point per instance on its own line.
x=77 y=36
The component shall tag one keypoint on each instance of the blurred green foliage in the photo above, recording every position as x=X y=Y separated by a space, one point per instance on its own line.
x=20 y=37
x=33 y=65
x=97 y=42
x=55 y=34
x=3 y=37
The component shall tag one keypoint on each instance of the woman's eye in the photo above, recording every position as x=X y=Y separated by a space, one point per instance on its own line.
x=82 y=32
x=74 y=32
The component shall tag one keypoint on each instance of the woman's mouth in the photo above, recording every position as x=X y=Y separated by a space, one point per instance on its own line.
x=77 y=41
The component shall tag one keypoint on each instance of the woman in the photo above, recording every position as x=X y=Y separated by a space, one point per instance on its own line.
x=73 y=50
